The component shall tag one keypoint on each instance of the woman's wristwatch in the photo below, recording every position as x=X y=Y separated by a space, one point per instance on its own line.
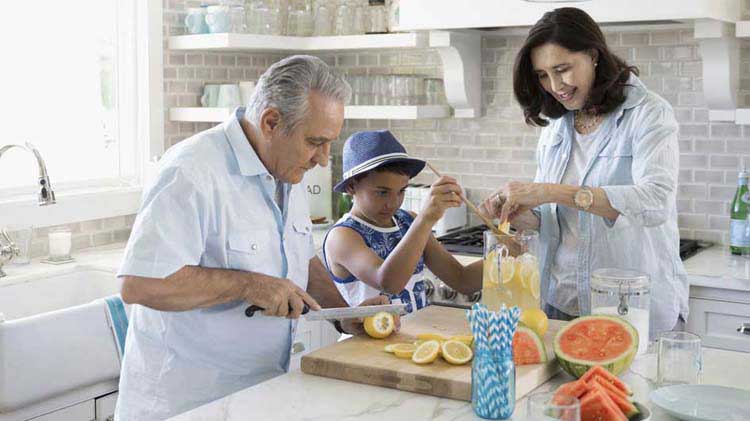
x=584 y=198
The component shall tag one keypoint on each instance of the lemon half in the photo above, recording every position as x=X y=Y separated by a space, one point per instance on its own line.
x=380 y=325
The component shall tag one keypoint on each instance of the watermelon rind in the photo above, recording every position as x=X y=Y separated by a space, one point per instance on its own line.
x=577 y=367
x=537 y=340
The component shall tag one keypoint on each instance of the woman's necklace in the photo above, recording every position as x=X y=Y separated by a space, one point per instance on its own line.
x=585 y=123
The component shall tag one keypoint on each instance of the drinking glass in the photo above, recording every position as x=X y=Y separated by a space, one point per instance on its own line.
x=548 y=407
x=434 y=91
x=679 y=359
x=493 y=384
x=21 y=237
x=60 y=242
x=323 y=21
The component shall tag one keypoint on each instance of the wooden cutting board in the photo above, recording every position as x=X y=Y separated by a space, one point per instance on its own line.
x=362 y=360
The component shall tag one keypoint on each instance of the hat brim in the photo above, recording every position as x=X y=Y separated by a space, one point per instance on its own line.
x=414 y=166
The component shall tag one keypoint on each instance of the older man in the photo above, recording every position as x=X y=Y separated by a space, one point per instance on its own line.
x=225 y=224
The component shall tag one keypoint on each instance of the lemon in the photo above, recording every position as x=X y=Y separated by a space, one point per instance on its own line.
x=536 y=320
x=467 y=339
x=380 y=325
x=404 y=350
x=507 y=268
x=456 y=352
x=534 y=286
x=427 y=352
x=431 y=337
x=504 y=228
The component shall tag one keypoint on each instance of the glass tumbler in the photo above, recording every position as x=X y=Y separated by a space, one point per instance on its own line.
x=679 y=359
x=548 y=407
x=493 y=385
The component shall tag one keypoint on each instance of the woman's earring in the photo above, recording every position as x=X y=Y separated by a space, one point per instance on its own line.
x=596 y=63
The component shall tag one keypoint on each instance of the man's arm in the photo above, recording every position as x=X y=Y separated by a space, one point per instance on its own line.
x=321 y=287
x=194 y=287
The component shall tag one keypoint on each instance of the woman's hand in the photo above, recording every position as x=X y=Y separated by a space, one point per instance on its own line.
x=514 y=199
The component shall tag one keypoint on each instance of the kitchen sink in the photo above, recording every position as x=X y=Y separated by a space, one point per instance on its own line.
x=55 y=341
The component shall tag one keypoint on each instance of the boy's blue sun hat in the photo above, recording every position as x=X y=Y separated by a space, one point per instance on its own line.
x=364 y=151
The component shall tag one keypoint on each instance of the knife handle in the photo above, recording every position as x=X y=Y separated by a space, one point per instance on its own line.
x=253 y=308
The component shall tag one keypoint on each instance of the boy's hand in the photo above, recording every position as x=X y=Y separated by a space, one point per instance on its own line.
x=445 y=193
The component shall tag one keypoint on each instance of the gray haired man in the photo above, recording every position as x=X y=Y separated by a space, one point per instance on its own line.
x=225 y=224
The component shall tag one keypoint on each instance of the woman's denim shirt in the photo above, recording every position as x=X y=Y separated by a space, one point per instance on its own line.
x=636 y=163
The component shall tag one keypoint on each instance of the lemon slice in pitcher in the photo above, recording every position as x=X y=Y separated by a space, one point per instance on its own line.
x=507 y=268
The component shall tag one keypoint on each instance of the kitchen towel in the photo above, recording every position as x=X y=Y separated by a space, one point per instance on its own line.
x=118 y=321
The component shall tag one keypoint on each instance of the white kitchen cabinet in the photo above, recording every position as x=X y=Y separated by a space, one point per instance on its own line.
x=717 y=322
x=83 y=411
x=310 y=336
x=105 y=407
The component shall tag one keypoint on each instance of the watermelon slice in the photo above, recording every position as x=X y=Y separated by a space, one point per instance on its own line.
x=610 y=388
x=606 y=375
x=608 y=341
x=626 y=407
x=575 y=389
x=528 y=347
x=597 y=406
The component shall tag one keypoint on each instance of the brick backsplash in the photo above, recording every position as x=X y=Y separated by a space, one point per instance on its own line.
x=484 y=153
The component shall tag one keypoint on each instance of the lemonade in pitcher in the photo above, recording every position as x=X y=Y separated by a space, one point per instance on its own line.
x=511 y=270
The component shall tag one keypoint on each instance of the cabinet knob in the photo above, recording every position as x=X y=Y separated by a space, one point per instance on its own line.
x=744 y=328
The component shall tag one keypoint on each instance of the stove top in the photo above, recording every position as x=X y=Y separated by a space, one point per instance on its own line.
x=471 y=241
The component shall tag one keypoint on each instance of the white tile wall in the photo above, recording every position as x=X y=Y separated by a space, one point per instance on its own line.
x=485 y=152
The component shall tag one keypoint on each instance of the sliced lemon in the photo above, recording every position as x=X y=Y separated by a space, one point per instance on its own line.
x=534 y=284
x=456 y=352
x=427 y=352
x=404 y=350
x=467 y=339
x=536 y=320
x=431 y=337
x=380 y=325
x=507 y=268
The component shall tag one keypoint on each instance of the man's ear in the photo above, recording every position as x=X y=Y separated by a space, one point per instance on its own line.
x=269 y=121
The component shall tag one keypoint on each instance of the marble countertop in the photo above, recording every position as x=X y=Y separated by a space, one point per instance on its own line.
x=298 y=396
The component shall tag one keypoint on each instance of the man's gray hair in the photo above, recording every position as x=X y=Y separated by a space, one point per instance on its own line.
x=286 y=85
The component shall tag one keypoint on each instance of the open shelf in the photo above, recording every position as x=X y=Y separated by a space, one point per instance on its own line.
x=274 y=43
x=380 y=112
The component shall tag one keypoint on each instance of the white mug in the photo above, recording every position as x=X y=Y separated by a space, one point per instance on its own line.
x=246 y=91
x=210 y=95
x=217 y=19
x=229 y=96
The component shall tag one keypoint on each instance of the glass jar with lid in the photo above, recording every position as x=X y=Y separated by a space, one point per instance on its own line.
x=624 y=293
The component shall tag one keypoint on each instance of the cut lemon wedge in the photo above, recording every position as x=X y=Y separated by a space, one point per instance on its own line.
x=427 y=352
x=380 y=325
x=467 y=339
x=504 y=228
x=404 y=350
x=456 y=352
x=431 y=337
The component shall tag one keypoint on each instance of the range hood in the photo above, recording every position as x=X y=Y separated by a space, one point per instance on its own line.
x=452 y=14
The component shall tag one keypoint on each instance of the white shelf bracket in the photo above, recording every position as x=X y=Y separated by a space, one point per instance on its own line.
x=461 y=54
x=720 y=52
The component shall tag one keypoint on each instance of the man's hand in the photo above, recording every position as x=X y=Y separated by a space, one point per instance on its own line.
x=356 y=326
x=278 y=297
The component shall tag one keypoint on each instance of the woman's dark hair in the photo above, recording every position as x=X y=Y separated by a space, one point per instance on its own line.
x=574 y=30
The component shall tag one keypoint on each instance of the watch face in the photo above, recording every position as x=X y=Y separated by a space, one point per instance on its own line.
x=583 y=198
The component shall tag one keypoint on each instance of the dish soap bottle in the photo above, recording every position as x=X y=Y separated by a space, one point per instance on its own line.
x=739 y=229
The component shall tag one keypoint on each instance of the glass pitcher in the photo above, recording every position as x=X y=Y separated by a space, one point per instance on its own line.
x=511 y=270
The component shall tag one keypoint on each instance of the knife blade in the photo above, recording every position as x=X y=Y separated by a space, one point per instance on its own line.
x=338 y=313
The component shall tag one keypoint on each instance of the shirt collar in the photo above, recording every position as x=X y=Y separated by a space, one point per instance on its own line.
x=247 y=159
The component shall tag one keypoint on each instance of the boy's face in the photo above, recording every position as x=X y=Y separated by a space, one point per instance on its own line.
x=379 y=194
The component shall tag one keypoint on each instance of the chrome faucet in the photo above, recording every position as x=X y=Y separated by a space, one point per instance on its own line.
x=46 y=196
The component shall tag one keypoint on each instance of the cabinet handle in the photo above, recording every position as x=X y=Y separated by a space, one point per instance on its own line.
x=744 y=328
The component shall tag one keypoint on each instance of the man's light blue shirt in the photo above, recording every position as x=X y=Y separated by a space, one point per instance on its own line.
x=636 y=162
x=212 y=205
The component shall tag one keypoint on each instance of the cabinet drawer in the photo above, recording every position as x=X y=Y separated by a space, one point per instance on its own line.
x=717 y=322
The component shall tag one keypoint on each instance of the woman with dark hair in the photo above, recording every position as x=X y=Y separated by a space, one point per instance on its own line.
x=604 y=194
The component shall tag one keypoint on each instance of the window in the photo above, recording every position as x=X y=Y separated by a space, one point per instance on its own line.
x=79 y=84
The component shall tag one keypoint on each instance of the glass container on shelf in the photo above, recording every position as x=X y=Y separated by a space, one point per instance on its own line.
x=626 y=294
x=378 y=17
x=511 y=270
x=300 y=19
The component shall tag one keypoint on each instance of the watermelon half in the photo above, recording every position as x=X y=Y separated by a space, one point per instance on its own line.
x=528 y=347
x=607 y=341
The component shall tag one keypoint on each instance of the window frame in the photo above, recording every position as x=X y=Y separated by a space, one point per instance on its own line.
x=142 y=55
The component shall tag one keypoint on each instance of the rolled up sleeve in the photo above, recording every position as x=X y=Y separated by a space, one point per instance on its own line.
x=170 y=229
x=654 y=170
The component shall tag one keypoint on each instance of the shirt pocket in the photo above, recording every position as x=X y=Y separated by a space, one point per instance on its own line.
x=298 y=250
x=615 y=164
x=248 y=250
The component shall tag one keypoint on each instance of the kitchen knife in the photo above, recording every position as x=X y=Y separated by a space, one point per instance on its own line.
x=339 y=313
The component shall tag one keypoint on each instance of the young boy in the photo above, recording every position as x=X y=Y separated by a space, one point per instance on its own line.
x=378 y=248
